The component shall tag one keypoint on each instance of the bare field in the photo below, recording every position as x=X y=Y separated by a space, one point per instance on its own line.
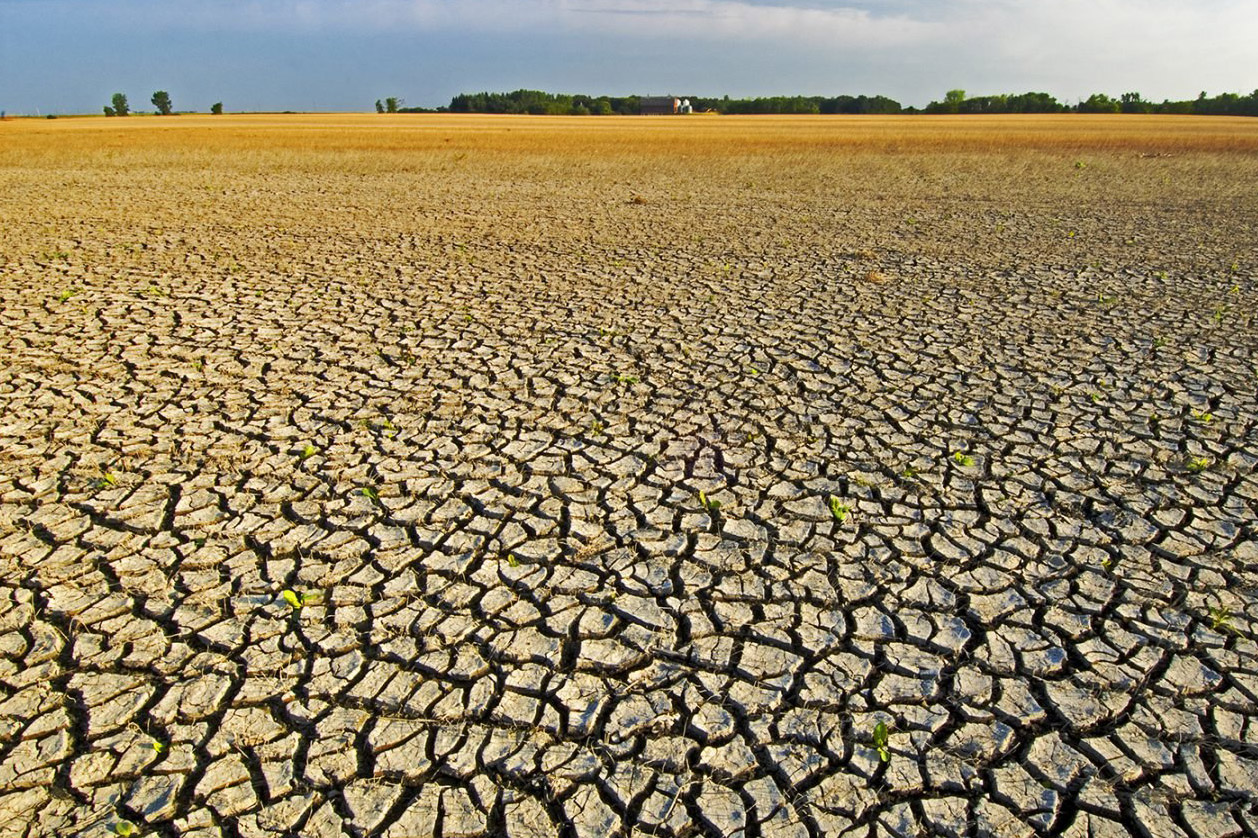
x=461 y=475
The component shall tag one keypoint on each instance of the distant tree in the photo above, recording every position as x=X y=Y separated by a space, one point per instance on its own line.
x=121 y=108
x=216 y=108
x=391 y=104
x=1132 y=103
x=161 y=101
x=951 y=103
x=1033 y=103
x=109 y=111
x=379 y=106
x=1099 y=103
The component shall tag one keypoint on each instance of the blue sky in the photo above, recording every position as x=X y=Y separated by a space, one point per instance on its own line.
x=70 y=56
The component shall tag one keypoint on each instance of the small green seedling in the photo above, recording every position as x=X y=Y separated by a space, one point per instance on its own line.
x=66 y=294
x=108 y=479
x=596 y=427
x=753 y=370
x=624 y=378
x=308 y=452
x=123 y=828
x=1108 y=562
x=158 y=746
x=962 y=459
x=710 y=504
x=388 y=428
x=881 y=736
x=1219 y=313
x=839 y=509
x=1198 y=464
x=513 y=560
x=1221 y=618
x=1202 y=416
x=295 y=599
x=370 y=493
x=1159 y=342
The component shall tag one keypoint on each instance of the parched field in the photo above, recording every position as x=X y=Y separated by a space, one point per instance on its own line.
x=709 y=476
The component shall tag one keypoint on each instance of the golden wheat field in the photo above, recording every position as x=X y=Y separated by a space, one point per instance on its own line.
x=429 y=475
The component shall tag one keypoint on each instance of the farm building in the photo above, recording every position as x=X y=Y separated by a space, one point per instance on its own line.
x=658 y=105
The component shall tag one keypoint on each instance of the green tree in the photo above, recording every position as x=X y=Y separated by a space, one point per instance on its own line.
x=1099 y=103
x=391 y=104
x=161 y=101
x=951 y=103
x=379 y=106
x=216 y=108
x=121 y=108
x=109 y=111
x=1132 y=103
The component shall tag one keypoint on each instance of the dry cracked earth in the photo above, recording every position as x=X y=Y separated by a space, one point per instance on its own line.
x=904 y=494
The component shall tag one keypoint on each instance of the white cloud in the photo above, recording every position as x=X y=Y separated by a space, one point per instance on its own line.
x=790 y=25
x=912 y=50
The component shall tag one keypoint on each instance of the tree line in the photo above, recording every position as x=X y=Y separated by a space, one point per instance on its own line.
x=118 y=105
x=539 y=102
x=1225 y=104
x=954 y=102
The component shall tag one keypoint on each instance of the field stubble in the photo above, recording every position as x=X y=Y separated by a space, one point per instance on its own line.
x=784 y=476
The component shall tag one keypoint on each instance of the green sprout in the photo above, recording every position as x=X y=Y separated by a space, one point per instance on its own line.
x=390 y=429
x=123 y=828
x=1108 y=562
x=158 y=746
x=1202 y=416
x=66 y=294
x=1198 y=464
x=308 y=452
x=909 y=473
x=881 y=736
x=1159 y=342
x=710 y=504
x=1221 y=618
x=753 y=370
x=596 y=427
x=624 y=378
x=295 y=599
x=513 y=560
x=107 y=479
x=838 y=509
x=962 y=459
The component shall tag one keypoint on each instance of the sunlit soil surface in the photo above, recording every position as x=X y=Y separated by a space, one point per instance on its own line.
x=440 y=475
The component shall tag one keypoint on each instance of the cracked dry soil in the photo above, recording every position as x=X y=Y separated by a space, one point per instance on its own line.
x=971 y=406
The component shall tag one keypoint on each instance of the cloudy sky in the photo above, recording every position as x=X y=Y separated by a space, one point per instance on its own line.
x=70 y=56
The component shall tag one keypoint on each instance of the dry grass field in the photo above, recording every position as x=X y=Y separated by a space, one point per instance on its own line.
x=461 y=475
